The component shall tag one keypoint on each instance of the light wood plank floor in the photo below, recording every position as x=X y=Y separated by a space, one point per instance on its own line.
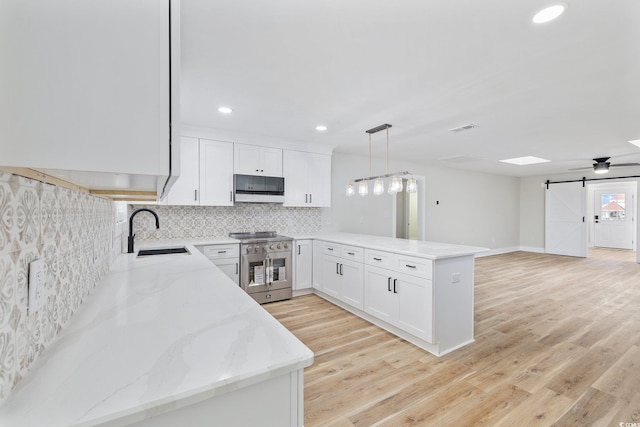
x=557 y=343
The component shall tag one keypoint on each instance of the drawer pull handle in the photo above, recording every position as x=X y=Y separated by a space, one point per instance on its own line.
x=329 y=249
x=222 y=252
x=377 y=259
x=395 y=283
x=351 y=253
x=389 y=284
x=410 y=266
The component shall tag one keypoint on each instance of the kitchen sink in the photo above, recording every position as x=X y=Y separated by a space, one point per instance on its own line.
x=163 y=251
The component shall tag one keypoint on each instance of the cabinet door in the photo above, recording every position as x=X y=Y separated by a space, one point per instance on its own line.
x=90 y=85
x=270 y=161
x=246 y=159
x=379 y=300
x=307 y=179
x=256 y=160
x=295 y=178
x=319 y=180
x=331 y=276
x=303 y=255
x=352 y=286
x=186 y=188
x=230 y=267
x=415 y=305
x=317 y=264
x=216 y=173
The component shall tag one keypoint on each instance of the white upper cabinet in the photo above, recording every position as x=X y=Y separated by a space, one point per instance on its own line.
x=185 y=189
x=216 y=173
x=206 y=176
x=307 y=179
x=86 y=85
x=257 y=160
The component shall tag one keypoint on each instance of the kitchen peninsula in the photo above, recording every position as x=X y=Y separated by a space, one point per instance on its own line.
x=421 y=291
x=165 y=340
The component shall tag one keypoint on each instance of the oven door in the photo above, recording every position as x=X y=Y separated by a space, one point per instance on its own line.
x=265 y=272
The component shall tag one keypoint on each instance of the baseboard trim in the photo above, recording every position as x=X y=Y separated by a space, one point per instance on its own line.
x=500 y=251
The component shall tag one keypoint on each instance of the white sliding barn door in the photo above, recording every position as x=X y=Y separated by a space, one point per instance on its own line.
x=565 y=226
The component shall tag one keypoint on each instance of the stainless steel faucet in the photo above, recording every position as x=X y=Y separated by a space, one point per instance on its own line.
x=131 y=235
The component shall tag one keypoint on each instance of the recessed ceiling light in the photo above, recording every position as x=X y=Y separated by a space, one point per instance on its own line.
x=548 y=14
x=527 y=160
x=321 y=128
x=635 y=142
x=225 y=110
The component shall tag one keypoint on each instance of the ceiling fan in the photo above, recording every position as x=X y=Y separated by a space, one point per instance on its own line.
x=602 y=165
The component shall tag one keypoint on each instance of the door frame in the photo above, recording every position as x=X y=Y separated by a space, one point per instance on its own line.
x=422 y=209
x=614 y=186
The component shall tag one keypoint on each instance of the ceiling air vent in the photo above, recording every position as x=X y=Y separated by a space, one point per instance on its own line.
x=463 y=127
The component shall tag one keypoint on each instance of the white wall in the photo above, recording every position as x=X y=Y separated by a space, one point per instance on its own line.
x=474 y=208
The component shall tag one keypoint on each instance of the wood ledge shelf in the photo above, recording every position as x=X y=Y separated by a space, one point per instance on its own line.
x=115 y=195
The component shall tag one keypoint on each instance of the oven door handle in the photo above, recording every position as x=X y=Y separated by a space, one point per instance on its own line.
x=270 y=271
x=265 y=270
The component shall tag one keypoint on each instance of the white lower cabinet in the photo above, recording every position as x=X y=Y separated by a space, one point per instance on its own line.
x=226 y=257
x=401 y=300
x=303 y=261
x=352 y=286
x=378 y=300
x=342 y=276
x=401 y=292
x=331 y=275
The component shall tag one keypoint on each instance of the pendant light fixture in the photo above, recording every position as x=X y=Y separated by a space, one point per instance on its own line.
x=395 y=184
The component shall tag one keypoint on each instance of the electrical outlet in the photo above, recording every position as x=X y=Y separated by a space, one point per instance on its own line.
x=36 y=286
x=455 y=277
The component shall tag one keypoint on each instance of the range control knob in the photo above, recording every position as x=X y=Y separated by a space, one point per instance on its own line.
x=279 y=246
x=255 y=250
x=248 y=249
x=286 y=246
x=270 y=246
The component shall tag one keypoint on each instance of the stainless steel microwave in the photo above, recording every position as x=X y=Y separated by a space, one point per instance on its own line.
x=258 y=189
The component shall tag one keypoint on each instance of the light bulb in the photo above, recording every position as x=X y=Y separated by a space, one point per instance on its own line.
x=395 y=185
x=350 y=190
x=412 y=185
x=363 y=188
x=378 y=187
x=398 y=183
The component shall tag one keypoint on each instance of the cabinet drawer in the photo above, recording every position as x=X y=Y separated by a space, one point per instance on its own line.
x=415 y=266
x=331 y=249
x=352 y=252
x=379 y=258
x=221 y=251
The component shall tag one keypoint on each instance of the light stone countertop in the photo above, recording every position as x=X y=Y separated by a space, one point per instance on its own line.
x=158 y=333
x=418 y=248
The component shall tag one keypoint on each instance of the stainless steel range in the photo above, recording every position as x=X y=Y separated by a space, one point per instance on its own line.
x=265 y=265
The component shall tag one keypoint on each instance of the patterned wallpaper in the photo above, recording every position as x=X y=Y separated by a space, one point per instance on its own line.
x=62 y=226
x=219 y=221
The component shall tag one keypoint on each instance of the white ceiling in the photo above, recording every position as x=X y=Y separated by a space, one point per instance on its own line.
x=567 y=91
